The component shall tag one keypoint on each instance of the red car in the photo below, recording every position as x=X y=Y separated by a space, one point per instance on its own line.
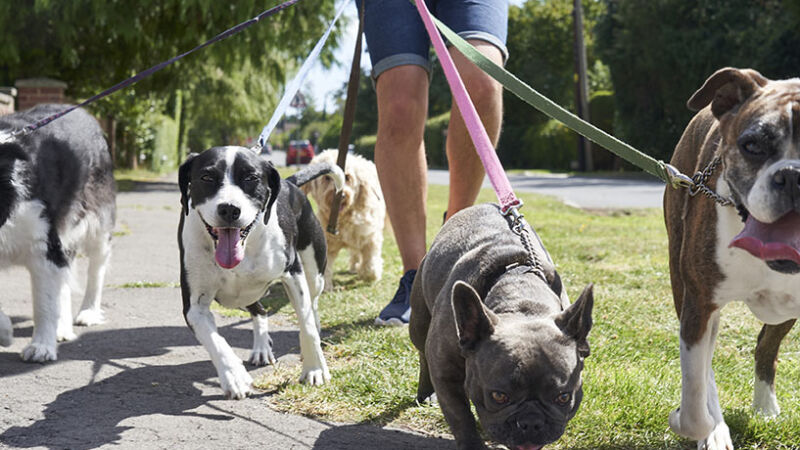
x=299 y=152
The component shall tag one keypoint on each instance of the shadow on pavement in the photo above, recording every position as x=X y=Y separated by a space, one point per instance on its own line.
x=361 y=436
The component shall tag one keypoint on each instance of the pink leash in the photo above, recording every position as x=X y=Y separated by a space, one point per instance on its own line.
x=483 y=145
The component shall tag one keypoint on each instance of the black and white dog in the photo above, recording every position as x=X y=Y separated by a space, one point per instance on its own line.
x=57 y=197
x=241 y=229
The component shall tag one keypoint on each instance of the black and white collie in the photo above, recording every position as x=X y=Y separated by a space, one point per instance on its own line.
x=57 y=197
x=241 y=229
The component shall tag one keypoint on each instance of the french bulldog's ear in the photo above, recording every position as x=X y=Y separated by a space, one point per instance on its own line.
x=726 y=89
x=576 y=321
x=184 y=175
x=272 y=179
x=473 y=321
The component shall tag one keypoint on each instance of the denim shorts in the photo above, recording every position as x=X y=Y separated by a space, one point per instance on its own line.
x=396 y=36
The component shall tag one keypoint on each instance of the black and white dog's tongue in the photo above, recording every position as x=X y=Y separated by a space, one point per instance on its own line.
x=230 y=249
x=779 y=240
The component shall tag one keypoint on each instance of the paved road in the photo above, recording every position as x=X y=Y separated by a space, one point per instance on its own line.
x=141 y=380
x=579 y=191
x=583 y=192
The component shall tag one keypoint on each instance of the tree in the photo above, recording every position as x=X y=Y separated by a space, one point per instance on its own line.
x=93 y=44
x=661 y=51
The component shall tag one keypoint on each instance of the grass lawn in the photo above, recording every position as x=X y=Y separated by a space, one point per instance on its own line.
x=631 y=380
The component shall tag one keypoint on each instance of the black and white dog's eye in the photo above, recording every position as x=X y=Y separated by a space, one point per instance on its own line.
x=564 y=398
x=251 y=179
x=207 y=178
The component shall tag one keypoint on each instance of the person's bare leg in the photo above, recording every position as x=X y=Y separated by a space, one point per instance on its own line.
x=466 y=169
x=400 y=156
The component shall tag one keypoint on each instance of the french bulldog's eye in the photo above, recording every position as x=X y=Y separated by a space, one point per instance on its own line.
x=564 y=398
x=499 y=397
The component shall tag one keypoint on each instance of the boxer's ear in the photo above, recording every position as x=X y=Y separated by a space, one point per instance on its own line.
x=576 y=321
x=473 y=321
x=184 y=175
x=726 y=89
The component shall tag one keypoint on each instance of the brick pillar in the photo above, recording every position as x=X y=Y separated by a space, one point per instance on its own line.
x=33 y=91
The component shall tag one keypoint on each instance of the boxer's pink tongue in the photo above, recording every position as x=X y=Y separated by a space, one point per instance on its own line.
x=779 y=240
x=230 y=251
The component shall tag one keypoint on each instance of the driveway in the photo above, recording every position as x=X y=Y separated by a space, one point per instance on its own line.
x=141 y=380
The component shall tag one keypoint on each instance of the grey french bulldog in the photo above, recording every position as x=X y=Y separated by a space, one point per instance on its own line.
x=491 y=330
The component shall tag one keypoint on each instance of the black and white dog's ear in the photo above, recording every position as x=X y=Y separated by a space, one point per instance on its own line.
x=272 y=179
x=473 y=321
x=12 y=151
x=184 y=175
x=576 y=321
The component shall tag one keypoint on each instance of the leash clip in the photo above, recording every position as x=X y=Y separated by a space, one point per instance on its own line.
x=677 y=179
x=517 y=218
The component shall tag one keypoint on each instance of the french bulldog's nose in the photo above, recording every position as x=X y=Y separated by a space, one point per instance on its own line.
x=530 y=424
x=228 y=212
x=788 y=181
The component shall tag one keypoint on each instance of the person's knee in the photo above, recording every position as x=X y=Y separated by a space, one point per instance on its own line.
x=483 y=89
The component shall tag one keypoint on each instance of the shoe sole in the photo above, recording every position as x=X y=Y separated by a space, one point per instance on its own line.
x=391 y=322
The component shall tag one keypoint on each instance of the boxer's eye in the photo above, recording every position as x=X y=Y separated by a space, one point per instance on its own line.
x=752 y=148
x=499 y=397
x=564 y=398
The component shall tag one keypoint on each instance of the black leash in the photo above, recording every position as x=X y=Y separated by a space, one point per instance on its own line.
x=348 y=119
x=146 y=73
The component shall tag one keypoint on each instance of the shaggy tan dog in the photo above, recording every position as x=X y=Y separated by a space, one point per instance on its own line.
x=361 y=216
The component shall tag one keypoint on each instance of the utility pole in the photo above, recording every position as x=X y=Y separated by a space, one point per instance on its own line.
x=585 y=162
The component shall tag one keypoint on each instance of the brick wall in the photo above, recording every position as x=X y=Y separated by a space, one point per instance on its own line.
x=33 y=91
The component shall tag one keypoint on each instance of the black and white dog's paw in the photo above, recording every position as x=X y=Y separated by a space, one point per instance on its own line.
x=315 y=374
x=236 y=382
x=719 y=439
x=36 y=352
x=65 y=333
x=262 y=354
x=89 y=317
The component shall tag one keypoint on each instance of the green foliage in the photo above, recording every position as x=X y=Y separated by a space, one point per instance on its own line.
x=661 y=51
x=93 y=44
x=165 y=144
x=540 y=44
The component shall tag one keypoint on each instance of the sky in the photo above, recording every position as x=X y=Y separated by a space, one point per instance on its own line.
x=321 y=82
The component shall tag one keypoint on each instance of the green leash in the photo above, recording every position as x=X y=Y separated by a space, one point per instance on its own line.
x=659 y=169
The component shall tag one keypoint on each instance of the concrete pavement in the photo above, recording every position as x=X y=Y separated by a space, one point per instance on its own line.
x=141 y=380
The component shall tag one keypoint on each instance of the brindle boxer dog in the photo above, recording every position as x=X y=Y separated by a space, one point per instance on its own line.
x=750 y=252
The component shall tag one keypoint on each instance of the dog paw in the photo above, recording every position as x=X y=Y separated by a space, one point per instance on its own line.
x=236 y=382
x=89 y=317
x=765 y=402
x=719 y=439
x=36 y=352
x=65 y=333
x=686 y=425
x=316 y=376
x=262 y=357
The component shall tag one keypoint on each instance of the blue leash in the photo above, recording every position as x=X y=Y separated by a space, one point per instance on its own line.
x=141 y=75
x=294 y=86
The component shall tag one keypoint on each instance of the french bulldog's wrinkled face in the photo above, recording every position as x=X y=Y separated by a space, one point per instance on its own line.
x=760 y=148
x=527 y=396
x=524 y=375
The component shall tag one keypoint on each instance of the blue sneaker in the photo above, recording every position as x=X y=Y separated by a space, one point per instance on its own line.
x=398 y=311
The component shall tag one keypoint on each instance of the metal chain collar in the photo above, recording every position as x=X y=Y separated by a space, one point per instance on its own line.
x=697 y=184
x=517 y=223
